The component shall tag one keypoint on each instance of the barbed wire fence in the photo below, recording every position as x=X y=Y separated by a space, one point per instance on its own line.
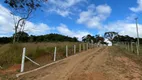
x=74 y=49
x=131 y=47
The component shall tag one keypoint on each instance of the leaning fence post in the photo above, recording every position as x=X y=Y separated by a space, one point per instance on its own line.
x=55 y=54
x=23 y=59
x=66 y=51
x=32 y=61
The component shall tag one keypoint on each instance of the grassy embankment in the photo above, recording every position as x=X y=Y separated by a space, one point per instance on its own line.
x=132 y=49
x=11 y=54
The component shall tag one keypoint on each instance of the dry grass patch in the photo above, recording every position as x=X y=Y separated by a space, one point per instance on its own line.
x=11 y=53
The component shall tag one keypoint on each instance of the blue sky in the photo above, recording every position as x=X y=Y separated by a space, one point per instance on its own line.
x=79 y=18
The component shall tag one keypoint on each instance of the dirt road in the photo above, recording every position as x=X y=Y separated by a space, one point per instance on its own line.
x=104 y=63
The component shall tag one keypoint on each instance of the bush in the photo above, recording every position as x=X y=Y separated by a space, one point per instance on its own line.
x=11 y=55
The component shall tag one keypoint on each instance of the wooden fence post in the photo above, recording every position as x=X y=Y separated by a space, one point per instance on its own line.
x=66 y=51
x=128 y=47
x=131 y=46
x=74 y=49
x=86 y=46
x=137 y=49
x=55 y=54
x=23 y=59
x=83 y=47
x=79 y=47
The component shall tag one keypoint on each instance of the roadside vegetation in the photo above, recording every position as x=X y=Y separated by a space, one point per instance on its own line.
x=12 y=53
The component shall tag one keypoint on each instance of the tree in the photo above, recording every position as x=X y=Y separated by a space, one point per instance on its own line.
x=23 y=9
x=99 y=38
x=22 y=36
x=121 y=38
x=89 y=39
x=4 y=40
x=110 y=35
x=74 y=39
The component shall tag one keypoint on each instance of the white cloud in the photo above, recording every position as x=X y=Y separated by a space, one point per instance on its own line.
x=37 y=29
x=63 y=13
x=138 y=8
x=123 y=28
x=6 y=21
x=65 y=3
x=7 y=24
x=94 y=16
x=63 y=7
x=103 y=9
x=63 y=29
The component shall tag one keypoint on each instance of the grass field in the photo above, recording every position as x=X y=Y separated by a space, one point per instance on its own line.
x=132 y=49
x=11 y=54
x=135 y=49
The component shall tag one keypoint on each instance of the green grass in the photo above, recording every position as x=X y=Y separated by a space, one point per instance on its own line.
x=11 y=54
x=134 y=48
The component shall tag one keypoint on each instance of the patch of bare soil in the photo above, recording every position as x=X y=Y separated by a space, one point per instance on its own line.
x=7 y=74
x=41 y=60
x=122 y=65
x=12 y=69
x=87 y=76
x=10 y=73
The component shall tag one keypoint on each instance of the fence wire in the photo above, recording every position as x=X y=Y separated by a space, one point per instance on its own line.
x=131 y=47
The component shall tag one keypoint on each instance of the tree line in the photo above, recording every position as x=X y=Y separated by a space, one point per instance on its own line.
x=112 y=36
x=24 y=37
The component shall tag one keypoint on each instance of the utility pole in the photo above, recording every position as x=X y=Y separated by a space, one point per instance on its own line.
x=137 y=36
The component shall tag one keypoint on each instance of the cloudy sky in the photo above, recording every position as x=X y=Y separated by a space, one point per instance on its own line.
x=78 y=18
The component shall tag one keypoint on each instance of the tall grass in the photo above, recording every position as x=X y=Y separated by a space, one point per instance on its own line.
x=12 y=53
x=134 y=48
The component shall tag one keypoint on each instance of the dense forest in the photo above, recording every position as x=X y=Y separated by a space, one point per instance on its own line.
x=24 y=37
